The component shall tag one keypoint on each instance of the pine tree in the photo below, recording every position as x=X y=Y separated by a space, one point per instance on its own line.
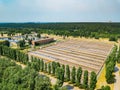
x=45 y=67
x=49 y=68
x=60 y=76
x=53 y=67
x=79 y=75
x=67 y=73
x=57 y=64
x=73 y=75
x=93 y=80
x=63 y=66
x=85 y=79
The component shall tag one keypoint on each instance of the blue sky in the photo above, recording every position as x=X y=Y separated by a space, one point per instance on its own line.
x=59 y=10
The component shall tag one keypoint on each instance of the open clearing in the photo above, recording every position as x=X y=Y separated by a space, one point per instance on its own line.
x=90 y=55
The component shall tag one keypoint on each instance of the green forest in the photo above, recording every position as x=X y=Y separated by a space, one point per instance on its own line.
x=13 y=77
x=96 y=30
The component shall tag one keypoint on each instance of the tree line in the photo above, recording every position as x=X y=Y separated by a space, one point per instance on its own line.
x=110 y=65
x=93 y=30
x=14 y=54
x=65 y=74
x=118 y=55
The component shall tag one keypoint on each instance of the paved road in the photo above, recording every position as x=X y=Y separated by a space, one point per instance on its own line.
x=117 y=77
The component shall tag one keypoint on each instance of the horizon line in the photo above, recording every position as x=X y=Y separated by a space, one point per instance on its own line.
x=65 y=22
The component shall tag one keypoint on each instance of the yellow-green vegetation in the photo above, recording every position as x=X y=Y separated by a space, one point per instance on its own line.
x=102 y=80
x=118 y=64
x=2 y=40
